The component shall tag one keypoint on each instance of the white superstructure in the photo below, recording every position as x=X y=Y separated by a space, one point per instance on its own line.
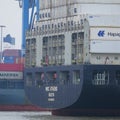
x=75 y=32
x=50 y=9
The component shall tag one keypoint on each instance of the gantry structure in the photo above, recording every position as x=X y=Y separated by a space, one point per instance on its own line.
x=30 y=13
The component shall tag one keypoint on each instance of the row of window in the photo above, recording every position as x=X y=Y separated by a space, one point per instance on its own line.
x=45 y=15
x=107 y=58
x=103 y=77
x=52 y=39
x=52 y=77
x=56 y=38
x=60 y=25
x=11 y=85
x=53 y=50
x=31 y=41
x=48 y=14
x=54 y=47
x=99 y=77
x=76 y=36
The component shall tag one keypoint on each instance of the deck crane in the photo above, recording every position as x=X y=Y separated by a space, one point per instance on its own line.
x=30 y=10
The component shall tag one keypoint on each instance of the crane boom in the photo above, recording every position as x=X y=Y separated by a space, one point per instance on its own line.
x=28 y=14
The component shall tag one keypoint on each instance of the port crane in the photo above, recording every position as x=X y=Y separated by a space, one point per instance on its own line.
x=30 y=12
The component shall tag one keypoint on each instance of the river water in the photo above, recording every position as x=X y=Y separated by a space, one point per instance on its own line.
x=46 y=116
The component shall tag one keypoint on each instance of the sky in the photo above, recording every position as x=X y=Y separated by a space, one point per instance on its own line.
x=11 y=17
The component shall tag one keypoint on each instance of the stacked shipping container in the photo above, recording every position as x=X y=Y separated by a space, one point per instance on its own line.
x=12 y=56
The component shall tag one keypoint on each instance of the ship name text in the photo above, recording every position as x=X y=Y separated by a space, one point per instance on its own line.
x=51 y=88
x=51 y=92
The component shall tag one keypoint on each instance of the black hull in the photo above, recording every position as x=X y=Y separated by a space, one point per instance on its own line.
x=88 y=94
x=87 y=112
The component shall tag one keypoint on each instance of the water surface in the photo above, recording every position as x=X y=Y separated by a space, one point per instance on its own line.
x=46 y=116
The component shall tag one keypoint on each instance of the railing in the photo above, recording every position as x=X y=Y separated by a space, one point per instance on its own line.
x=51 y=31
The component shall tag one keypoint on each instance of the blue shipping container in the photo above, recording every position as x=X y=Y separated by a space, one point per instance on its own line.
x=9 y=59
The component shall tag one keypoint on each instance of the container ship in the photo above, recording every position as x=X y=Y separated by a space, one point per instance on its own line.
x=72 y=59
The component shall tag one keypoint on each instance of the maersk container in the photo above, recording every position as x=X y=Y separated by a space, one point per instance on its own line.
x=13 y=75
x=11 y=86
x=11 y=67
